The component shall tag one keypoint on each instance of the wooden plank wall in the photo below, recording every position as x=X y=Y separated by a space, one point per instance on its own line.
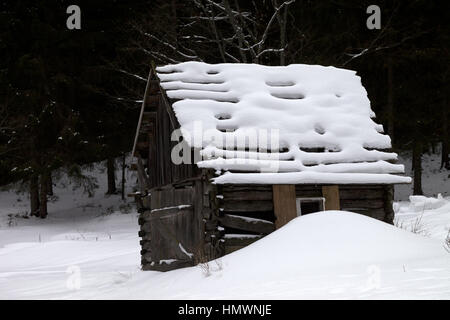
x=246 y=214
x=161 y=123
x=172 y=230
x=184 y=213
x=370 y=200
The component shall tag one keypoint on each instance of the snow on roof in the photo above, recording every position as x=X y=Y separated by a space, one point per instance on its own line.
x=315 y=121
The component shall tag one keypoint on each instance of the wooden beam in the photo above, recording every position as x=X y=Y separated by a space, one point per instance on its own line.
x=141 y=114
x=243 y=223
x=248 y=195
x=362 y=203
x=331 y=195
x=242 y=241
x=169 y=110
x=285 y=208
x=165 y=213
x=246 y=206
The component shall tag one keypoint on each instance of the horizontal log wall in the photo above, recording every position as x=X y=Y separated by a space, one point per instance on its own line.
x=246 y=214
x=371 y=200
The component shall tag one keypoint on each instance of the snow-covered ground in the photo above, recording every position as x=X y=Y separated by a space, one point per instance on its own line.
x=88 y=248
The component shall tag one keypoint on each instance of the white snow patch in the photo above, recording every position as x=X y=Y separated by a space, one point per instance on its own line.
x=190 y=255
x=182 y=206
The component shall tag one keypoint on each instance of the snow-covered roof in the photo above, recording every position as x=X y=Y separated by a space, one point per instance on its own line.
x=320 y=116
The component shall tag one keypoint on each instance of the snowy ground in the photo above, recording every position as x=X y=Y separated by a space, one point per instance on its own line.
x=88 y=248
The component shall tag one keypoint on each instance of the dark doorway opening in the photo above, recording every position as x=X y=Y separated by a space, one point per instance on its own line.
x=309 y=205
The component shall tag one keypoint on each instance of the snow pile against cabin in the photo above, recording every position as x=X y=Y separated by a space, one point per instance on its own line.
x=280 y=125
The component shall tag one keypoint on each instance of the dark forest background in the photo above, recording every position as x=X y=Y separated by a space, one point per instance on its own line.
x=72 y=97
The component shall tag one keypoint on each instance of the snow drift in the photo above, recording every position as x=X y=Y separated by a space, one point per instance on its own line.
x=331 y=238
x=324 y=249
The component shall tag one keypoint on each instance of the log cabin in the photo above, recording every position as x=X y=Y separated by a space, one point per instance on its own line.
x=227 y=153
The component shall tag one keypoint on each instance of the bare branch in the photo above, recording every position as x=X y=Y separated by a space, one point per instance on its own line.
x=269 y=24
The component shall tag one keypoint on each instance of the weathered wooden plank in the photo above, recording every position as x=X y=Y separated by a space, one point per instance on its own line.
x=246 y=206
x=150 y=116
x=362 y=193
x=165 y=212
x=264 y=215
x=152 y=101
x=242 y=241
x=242 y=223
x=284 y=204
x=247 y=195
x=197 y=201
x=248 y=187
x=171 y=197
x=160 y=151
x=152 y=156
x=362 y=203
x=169 y=111
x=164 y=150
x=170 y=233
x=331 y=195
x=151 y=75
x=165 y=266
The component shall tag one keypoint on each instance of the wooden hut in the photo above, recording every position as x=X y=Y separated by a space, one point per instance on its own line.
x=317 y=148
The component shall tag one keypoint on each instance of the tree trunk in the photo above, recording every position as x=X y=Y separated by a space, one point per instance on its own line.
x=43 y=196
x=111 y=172
x=238 y=31
x=49 y=184
x=445 y=161
x=282 y=20
x=34 y=195
x=390 y=97
x=123 y=176
x=417 y=167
